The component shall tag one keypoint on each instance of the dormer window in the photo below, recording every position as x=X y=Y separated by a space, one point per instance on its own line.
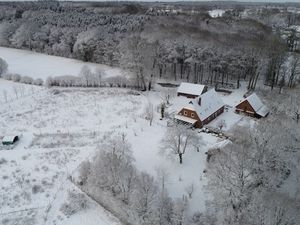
x=192 y=115
x=185 y=113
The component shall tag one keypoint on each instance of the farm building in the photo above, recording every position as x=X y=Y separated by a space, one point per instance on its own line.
x=190 y=90
x=252 y=106
x=9 y=140
x=201 y=110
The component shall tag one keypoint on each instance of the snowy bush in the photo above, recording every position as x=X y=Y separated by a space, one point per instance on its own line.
x=16 y=77
x=3 y=66
x=63 y=81
x=7 y=76
x=38 y=82
x=3 y=161
x=26 y=80
x=75 y=203
x=37 y=189
x=117 y=81
x=87 y=79
x=49 y=82
x=55 y=92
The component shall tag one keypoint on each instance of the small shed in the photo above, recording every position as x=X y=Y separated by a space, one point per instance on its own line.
x=252 y=106
x=190 y=90
x=9 y=140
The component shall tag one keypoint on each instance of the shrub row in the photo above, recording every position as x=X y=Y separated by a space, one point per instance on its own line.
x=22 y=79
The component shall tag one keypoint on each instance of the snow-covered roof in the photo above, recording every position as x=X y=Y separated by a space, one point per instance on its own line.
x=263 y=111
x=189 y=88
x=8 y=138
x=210 y=103
x=257 y=105
x=185 y=119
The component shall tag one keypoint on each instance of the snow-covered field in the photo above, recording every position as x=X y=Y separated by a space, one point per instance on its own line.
x=60 y=129
x=10 y=91
x=36 y=65
x=58 y=132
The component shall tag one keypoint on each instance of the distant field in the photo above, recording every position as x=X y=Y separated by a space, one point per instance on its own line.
x=37 y=65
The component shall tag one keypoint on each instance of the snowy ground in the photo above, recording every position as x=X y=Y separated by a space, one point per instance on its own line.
x=60 y=130
x=10 y=91
x=38 y=65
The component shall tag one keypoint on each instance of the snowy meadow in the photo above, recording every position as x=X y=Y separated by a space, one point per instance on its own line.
x=37 y=65
x=60 y=128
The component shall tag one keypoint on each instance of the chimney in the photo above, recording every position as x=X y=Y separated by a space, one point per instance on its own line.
x=199 y=102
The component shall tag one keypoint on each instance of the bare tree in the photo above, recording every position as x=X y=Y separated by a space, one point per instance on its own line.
x=178 y=139
x=99 y=75
x=113 y=168
x=146 y=195
x=3 y=66
x=16 y=91
x=295 y=70
x=149 y=113
x=190 y=190
x=86 y=74
x=230 y=179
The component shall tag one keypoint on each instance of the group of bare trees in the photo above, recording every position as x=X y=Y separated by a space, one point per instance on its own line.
x=254 y=179
x=136 y=197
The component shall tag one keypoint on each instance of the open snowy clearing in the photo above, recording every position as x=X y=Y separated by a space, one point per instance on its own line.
x=61 y=128
x=37 y=65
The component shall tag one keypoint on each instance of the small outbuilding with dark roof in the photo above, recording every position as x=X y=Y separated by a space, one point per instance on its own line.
x=9 y=140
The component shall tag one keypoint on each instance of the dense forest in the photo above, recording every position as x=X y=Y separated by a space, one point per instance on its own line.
x=153 y=42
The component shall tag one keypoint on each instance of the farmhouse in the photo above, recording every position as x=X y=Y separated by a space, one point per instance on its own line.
x=9 y=140
x=202 y=110
x=190 y=90
x=252 y=106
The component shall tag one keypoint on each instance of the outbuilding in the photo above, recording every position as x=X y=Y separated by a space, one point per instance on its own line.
x=252 y=106
x=202 y=110
x=9 y=140
x=190 y=90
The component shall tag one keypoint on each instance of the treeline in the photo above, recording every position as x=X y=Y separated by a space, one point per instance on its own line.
x=194 y=48
x=87 y=78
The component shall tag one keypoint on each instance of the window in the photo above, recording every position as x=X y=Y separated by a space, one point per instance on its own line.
x=192 y=115
x=185 y=113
